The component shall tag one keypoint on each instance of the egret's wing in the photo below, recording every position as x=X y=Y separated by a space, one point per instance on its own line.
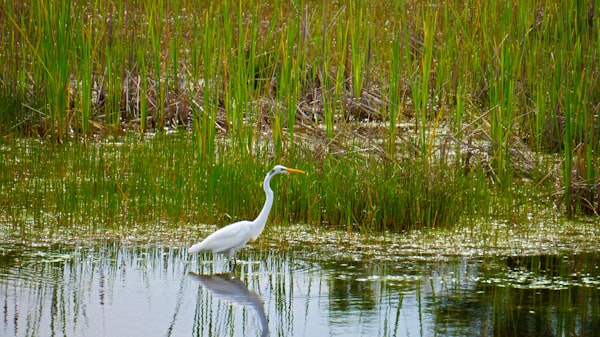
x=231 y=237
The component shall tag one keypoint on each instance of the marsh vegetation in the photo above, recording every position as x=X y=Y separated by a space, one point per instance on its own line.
x=427 y=111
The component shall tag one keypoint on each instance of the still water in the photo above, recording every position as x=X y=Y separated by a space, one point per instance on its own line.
x=116 y=289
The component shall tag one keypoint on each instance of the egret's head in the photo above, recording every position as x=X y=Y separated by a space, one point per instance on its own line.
x=282 y=169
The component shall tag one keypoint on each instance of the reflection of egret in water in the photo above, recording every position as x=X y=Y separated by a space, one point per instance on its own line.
x=229 y=288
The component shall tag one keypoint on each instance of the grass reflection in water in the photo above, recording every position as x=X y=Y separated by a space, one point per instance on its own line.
x=118 y=290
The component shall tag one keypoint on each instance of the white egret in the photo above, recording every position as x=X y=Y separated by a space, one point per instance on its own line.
x=231 y=238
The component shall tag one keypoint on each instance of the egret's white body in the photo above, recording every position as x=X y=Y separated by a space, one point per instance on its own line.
x=231 y=238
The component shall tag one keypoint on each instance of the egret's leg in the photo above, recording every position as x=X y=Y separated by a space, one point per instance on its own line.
x=232 y=268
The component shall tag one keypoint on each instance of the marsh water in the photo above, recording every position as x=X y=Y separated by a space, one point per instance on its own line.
x=342 y=286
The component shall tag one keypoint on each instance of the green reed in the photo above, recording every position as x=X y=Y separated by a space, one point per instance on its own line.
x=358 y=34
x=292 y=77
x=420 y=88
x=206 y=115
x=332 y=36
x=53 y=59
x=157 y=35
x=489 y=76
x=410 y=199
x=117 y=185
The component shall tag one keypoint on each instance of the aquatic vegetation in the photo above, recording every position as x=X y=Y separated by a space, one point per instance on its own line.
x=114 y=185
x=445 y=96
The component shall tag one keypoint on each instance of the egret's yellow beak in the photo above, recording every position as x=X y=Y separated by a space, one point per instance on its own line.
x=294 y=170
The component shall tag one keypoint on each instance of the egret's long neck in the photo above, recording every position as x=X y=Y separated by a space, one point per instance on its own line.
x=261 y=220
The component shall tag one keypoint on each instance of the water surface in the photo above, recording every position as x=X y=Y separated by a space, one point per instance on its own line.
x=118 y=289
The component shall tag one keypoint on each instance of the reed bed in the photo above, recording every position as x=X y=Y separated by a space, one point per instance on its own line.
x=426 y=111
x=49 y=190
